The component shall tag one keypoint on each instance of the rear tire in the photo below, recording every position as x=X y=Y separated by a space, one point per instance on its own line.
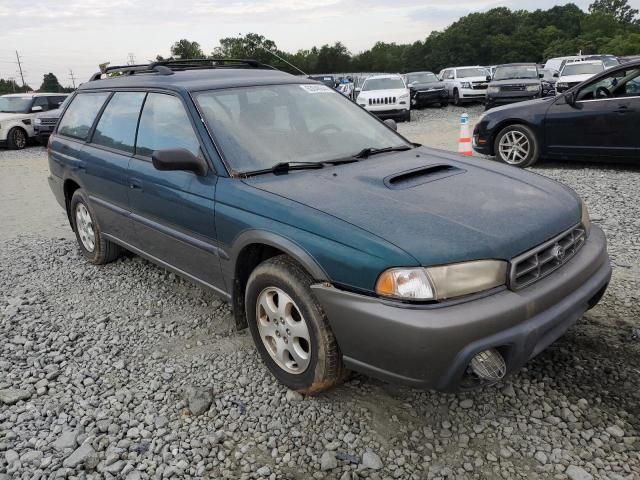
x=456 y=98
x=517 y=145
x=93 y=246
x=290 y=329
x=17 y=139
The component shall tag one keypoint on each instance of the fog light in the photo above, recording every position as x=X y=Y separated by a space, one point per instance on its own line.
x=489 y=365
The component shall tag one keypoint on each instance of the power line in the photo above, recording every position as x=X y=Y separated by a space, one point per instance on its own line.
x=73 y=79
x=20 y=67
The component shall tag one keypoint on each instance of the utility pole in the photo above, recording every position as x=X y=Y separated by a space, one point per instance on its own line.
x=20 y=67
x=73 y=79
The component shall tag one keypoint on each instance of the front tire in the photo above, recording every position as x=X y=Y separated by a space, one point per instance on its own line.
x=517 y=145
x=17 y=139
x=456 y=98
x=93 y=245
x=290 y=329
x=406 y=116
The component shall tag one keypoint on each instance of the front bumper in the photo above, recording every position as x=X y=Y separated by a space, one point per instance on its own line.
x=388 y=111
x=428 y=97
x=431 y=346
x=472 y=94
x=493 y=101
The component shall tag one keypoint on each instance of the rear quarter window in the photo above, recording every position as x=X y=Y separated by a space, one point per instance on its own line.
x=82 y=112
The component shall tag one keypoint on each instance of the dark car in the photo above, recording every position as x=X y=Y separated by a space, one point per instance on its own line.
x=426 y=89
x=44 y=123
x=513 y=82
x=340 y=244
x=547 y=82
x=328 y=80
x=597 y=119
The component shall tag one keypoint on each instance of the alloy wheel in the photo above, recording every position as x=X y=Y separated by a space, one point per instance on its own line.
x=84 y=224
x=283 y=330
x=19 y=138
x=514 y=147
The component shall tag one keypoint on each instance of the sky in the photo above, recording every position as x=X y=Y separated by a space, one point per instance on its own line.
x=61 y=36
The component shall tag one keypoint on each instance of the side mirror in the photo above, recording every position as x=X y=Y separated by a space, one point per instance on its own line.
x=391 y=123
x=37 y=108
x=570 y=98
x=178 y=159
x=488 y=78
x=556 y=74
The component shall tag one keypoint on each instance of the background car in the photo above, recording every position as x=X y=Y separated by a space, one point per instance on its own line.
x=513 y=82
x=17 y=113
x=44 y=123
x=328 y=80
x=597 y=119
x=386 y=96
x=547 y=82
x=466 y=84
x=426 y=89
x=577 y=72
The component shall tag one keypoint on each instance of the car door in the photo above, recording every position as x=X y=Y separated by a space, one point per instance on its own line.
x=173 y=211
x=107 y=157
x=600 y=120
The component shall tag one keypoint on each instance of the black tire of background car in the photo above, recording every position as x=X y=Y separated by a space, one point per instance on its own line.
x=534 y=151
x=456 y=98
x=17 y=139
x=406 y=117
x=325 y=369
x=104 y=251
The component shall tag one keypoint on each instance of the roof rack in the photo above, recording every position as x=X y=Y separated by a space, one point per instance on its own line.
x=168 y=67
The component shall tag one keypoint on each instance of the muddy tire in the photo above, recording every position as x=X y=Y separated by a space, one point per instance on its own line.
x=93 y=245
x=290 y=329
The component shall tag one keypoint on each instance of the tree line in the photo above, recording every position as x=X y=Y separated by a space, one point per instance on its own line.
x=499 y=35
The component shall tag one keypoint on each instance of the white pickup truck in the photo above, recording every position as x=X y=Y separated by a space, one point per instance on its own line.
x=17 y=113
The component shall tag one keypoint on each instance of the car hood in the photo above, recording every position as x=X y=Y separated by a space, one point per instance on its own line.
x=13 y=116
x=473 y=79
x=435 y=206
x=514 y=81
x=576 y=78
x=426 y=85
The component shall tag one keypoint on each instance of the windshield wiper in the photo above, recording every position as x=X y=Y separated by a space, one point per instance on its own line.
x=283 y=167
x=367 y=152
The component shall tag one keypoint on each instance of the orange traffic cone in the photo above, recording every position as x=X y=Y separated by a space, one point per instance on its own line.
x=464 y=143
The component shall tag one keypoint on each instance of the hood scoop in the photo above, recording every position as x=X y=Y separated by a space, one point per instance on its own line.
x=420 y=176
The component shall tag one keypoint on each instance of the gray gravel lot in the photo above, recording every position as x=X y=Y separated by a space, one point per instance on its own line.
x=127 y=371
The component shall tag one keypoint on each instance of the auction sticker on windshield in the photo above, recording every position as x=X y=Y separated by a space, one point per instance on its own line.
x=316 y=88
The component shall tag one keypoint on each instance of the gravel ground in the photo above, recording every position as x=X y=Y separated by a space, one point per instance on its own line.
x=127 y=371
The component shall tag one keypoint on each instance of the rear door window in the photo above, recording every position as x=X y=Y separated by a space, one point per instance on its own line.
x=117 y=125
x=164 y=124
x=82 y=112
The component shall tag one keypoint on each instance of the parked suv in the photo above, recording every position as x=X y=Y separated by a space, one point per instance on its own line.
x=513 y=82
x=466 y=84
x=426 y=89
x=44 y=123
x=340 y=244
x=17 y=113
x=597 y=119
x=577 y=72
x=386 y=96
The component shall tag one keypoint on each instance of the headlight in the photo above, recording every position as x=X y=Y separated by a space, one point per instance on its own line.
x=439 y=283
x=585 y=219
x=533 y=88
x=465 y=85
x=404 y=96
x=37 y=121
x=493 y=89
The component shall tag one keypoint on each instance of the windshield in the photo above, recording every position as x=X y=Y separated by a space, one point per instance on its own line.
x=259 y=127
x=471 y=72
x=582 y=68
x=382 y=84
x=15 y=104
x=421 y=78
x=513 y=72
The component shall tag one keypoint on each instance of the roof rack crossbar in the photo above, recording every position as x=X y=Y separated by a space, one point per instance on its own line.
x=210 y=62
x=132 y=70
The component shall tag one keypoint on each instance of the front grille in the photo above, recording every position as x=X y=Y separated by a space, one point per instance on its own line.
x=512 y=88
x=48 y=121
x=539 y=262
x=479 y=85
x=382 y=101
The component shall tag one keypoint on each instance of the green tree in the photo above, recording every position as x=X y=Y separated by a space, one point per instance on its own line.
x=186 y=49
x=50 y=84
x=619 y=9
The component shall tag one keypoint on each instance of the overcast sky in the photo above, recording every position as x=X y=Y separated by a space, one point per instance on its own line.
x=59 y=35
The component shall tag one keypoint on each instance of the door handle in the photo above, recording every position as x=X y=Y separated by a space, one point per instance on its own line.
x=623 y=109
x=135 y=184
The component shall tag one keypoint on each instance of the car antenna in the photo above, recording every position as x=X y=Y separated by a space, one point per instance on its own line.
x=274 y=54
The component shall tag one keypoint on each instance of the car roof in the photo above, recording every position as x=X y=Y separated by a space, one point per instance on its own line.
x=390 y=75
x=413 y=73
x=522 y=64
x=198 y=79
